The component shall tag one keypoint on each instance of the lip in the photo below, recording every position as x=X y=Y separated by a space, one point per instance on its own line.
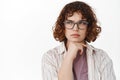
x=75 y=35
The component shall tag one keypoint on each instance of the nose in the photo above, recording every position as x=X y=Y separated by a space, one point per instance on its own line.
x=75 y=27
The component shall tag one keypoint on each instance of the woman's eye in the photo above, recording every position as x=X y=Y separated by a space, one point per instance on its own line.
x=69 y=22
x=83 y=22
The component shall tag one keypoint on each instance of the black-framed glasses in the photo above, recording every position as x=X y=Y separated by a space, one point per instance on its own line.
x=82 y=24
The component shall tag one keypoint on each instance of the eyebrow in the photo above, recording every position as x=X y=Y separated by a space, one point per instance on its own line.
x=70 y=20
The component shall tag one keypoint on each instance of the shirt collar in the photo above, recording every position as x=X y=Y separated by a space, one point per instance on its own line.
x=62 y=48
x=90 y=49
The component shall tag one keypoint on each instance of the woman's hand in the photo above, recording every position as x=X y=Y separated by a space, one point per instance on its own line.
x=73 y=48
x=67 y=64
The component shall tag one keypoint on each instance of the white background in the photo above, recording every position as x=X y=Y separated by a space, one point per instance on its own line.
x=26 y=33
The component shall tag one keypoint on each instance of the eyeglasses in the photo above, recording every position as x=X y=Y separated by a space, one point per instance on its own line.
x=82 y=24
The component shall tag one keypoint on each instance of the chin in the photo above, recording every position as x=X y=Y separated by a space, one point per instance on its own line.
x=76 y=40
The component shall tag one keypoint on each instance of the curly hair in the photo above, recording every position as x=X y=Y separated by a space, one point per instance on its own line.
x=87 y=13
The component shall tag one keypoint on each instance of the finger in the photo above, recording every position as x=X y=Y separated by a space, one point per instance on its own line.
x=84 y=45
x=81 y=49
x=81 y=52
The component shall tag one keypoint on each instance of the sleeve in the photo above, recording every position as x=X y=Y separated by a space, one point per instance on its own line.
x=49 y=71
x=107 y=70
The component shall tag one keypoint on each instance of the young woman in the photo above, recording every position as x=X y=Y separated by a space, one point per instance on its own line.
x=75 y=59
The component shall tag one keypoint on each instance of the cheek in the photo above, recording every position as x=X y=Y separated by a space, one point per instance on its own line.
x=67 y=33
x=83 y=34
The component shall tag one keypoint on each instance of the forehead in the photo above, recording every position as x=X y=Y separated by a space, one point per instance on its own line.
x=75 y=17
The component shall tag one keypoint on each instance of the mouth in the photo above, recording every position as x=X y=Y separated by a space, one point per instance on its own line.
x=75 y=35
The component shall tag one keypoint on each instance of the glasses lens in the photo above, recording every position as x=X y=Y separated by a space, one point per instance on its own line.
x=68 y=24
x=83 y=22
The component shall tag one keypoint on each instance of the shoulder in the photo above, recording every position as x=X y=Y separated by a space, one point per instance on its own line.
x=53 y=51
x=100 y=52
x=101 y=55
x=52 y=55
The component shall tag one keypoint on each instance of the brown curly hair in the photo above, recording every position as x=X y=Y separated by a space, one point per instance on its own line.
x=87 y=13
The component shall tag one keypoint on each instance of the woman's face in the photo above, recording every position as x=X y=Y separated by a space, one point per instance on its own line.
x=75 y=28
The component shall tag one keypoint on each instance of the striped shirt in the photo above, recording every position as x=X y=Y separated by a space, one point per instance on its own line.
x=100 y=66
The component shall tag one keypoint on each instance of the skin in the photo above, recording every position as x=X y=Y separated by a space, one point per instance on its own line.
x=74 y=44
